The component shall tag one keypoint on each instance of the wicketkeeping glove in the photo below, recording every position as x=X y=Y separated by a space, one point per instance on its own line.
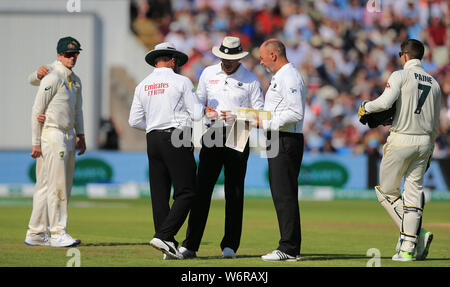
x=373 y=120
x=361 y=110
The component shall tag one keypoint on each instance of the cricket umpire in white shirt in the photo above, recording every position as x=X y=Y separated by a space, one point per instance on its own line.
x=54 y=145
x=285 y=98
x=164 y=105
x=224 y=87
x=408 y=149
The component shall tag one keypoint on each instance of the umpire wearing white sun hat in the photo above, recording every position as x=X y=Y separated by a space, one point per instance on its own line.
x=224 y=87
x=230 y=49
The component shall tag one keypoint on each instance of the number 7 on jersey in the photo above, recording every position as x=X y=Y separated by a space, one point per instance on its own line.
x=425 y=91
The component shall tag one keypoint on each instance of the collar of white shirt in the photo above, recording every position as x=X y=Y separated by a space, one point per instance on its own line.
x=63 y=69
x=282 y=69
x=412 y=63
x=162 y=69
x=219 y=70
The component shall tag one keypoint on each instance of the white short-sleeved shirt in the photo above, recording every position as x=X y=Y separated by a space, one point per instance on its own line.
x=285 y=98
x=164 y=100
x=228 y=92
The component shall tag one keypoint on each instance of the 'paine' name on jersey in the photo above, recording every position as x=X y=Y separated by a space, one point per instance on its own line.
x=422 y=78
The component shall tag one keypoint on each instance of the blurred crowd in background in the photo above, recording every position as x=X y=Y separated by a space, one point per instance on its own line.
x=345 y=50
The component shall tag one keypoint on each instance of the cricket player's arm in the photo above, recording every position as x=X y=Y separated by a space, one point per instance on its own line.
x=194 y=106
x=46 y=91
x=35 y=78
x=79 y=122
x=434 y=134
x=388 y=97
x=137 y=112
x=292 y=93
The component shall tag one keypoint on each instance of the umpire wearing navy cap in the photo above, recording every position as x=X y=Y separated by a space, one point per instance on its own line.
x=164 y=104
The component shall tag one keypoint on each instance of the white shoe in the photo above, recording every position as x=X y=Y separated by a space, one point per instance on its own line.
x=227 y=252
x=63 y=240
x=423 y=244
x=402 y=256
x=167 y=247
x=187 y=254
x=278 y=255
x=37 y=240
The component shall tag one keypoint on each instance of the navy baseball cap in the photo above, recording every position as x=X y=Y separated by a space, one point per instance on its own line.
x=67 y=45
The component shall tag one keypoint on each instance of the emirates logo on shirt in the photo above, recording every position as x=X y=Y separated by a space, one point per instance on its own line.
x=156 y=89
x=213 y=82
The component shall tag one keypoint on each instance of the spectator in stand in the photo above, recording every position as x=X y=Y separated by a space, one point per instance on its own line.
x=437 y=32
x=331 y=42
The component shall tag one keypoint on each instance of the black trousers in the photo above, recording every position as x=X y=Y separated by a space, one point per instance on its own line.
x=169 y=165
x=212 y=159
x=284 y=170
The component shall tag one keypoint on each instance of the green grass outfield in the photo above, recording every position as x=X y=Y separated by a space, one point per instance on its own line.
x=116 y=233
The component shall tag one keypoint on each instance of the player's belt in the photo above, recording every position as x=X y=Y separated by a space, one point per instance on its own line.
x=284 y=134
x=58 y=127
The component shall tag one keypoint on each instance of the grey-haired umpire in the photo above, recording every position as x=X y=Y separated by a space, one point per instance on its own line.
x=165 y=103
x=408 y=149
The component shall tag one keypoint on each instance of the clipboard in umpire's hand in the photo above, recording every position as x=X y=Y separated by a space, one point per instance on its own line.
x=251 y=114
x=240 y=131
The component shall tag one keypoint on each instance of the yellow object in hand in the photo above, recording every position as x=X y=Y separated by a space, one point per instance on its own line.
x=361 y=110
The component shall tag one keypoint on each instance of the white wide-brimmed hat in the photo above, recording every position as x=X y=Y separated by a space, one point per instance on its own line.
x=163 y=49
x=230 y=49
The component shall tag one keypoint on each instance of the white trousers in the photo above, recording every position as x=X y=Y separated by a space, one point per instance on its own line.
x=54 y=177
x=405 y=156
